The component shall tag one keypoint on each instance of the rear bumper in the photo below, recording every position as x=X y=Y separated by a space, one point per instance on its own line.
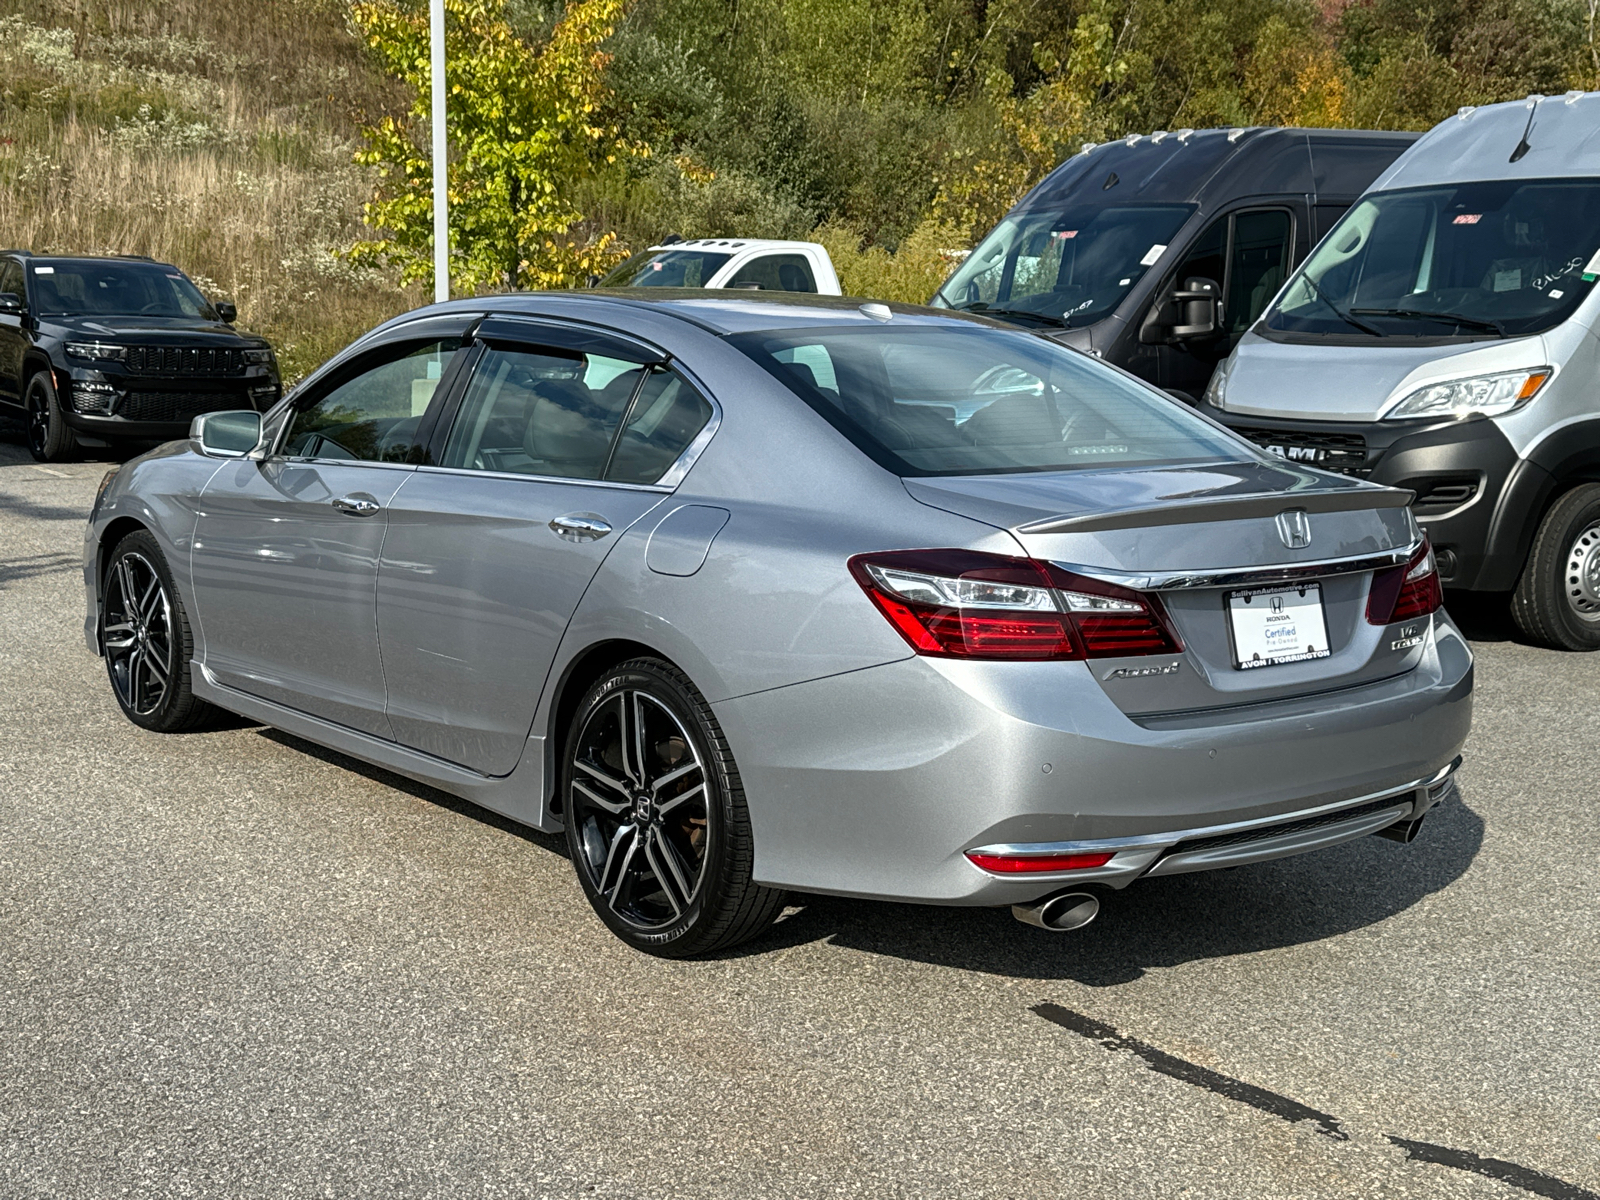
x=876 y=783
x=1459 y=470
x=1234 y=845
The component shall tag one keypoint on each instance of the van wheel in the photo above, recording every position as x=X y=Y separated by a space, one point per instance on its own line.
x=1557 y=601
x=50 y=438
x=656 y=822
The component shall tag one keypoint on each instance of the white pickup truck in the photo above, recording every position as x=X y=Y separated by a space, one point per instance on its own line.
x=757 y=264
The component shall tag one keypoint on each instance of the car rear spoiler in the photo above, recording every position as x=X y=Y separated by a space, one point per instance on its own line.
x=1230 y=508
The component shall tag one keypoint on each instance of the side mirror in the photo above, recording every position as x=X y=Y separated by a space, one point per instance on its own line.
x=1199 y=308
x=11 y=304
x=592 y=281
x=227 y=310
x=231 y=434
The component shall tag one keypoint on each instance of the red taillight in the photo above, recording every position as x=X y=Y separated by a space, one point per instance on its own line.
x=1015 y=864
x=1401 y=593
x=967 y=604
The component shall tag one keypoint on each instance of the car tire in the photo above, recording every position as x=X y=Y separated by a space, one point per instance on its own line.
x=147 y=641
x=656 y=821
x=50 y=438
x=1557 y=600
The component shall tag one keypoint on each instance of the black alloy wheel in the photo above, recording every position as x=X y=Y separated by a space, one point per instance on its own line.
x=655 y=816
x=50 y=438
x=1557 y=601
x=145 y=635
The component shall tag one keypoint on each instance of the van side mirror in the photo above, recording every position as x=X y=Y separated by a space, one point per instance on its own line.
x=591 y=281
x=231 y=434
x=1199 y=303
x=1191 y=311
x=11 y=304
x=227 y=310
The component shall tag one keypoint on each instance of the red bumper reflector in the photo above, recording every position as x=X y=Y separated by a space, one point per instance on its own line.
x=1015 y=864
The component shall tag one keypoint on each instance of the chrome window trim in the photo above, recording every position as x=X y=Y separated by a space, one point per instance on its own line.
x=430 y=469
x=1172 y=581
x=1157 y=841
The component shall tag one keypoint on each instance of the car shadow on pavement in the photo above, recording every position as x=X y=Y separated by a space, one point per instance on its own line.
x=555 y=843
x=1155 y=923
x=1161 y=922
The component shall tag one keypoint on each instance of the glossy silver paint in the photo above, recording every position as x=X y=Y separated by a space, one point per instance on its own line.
x=439 y=635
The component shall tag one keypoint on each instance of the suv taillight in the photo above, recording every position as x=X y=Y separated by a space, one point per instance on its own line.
x=968 y=604
x=1401 y=593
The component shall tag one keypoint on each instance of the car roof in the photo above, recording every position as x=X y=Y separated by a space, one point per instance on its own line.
x=90 y=258
x=730 y=245
x=1562 y=134
x=716 y=311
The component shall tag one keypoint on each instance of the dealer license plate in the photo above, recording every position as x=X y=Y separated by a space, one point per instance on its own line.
x=1272 y=625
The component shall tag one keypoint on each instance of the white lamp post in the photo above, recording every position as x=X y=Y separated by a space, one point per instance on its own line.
x=441 y=199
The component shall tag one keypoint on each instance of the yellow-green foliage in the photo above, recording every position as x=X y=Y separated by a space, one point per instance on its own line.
x=523 y=130
x=208 y=136
x=910 y=275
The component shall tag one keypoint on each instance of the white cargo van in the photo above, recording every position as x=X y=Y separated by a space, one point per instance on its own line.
x=1443 y=338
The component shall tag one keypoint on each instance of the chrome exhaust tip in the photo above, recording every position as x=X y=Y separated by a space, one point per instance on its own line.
x=1404 y=832
x=1061 y=913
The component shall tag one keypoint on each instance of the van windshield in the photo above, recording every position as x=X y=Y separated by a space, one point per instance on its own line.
x=1063 y=267
x=936 y=400
x=1503 y=258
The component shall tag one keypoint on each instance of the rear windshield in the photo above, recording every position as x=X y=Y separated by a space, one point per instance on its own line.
x=667 y=268
x=978 y=401
x=115 y=289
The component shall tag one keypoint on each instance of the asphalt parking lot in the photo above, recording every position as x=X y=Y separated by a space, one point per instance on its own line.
x=233 y=964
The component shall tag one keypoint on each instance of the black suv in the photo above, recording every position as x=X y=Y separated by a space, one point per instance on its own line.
x=119 y=349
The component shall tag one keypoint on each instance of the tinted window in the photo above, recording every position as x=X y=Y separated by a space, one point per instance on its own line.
x=667 y=268
x=664 y=420
x=940 y=401
x=373 y=416
x=1257 y=266
x=1506 y=257
x=10 y=277
x=116 y=289
x=775 y=273
x=542 y=412
x=1071 y=266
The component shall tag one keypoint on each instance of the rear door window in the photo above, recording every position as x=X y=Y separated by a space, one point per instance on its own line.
x=568 y=414
x=775 y=273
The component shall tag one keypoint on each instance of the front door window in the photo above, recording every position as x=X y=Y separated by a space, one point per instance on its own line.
x=374 y=415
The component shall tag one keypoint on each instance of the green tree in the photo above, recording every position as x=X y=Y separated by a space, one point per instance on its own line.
x=524 y=132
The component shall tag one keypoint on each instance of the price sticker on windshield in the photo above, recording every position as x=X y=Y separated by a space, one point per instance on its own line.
x=1152 y=254
x=1593 y=269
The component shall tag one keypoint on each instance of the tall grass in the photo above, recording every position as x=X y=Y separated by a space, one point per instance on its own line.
x=123 y=139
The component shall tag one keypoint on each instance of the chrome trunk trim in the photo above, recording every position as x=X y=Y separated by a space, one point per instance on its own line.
x=1172 y=581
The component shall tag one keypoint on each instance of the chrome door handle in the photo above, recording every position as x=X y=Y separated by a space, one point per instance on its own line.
x=357 y=505
x=580 y=527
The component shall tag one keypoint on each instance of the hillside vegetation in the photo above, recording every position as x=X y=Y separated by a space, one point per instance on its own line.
x=223 y=137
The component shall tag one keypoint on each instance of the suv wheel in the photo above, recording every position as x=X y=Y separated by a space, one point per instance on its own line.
x=145 y=634
x=655 y=816
x=50 y=439
x=1557 y=601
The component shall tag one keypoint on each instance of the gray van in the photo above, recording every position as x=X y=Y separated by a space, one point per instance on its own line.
x=1157 y=252
x=1443 y=338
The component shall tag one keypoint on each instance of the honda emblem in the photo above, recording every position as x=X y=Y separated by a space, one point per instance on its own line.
x=1294 y=527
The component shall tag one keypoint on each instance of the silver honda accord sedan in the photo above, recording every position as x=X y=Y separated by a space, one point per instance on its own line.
x=754 y=595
